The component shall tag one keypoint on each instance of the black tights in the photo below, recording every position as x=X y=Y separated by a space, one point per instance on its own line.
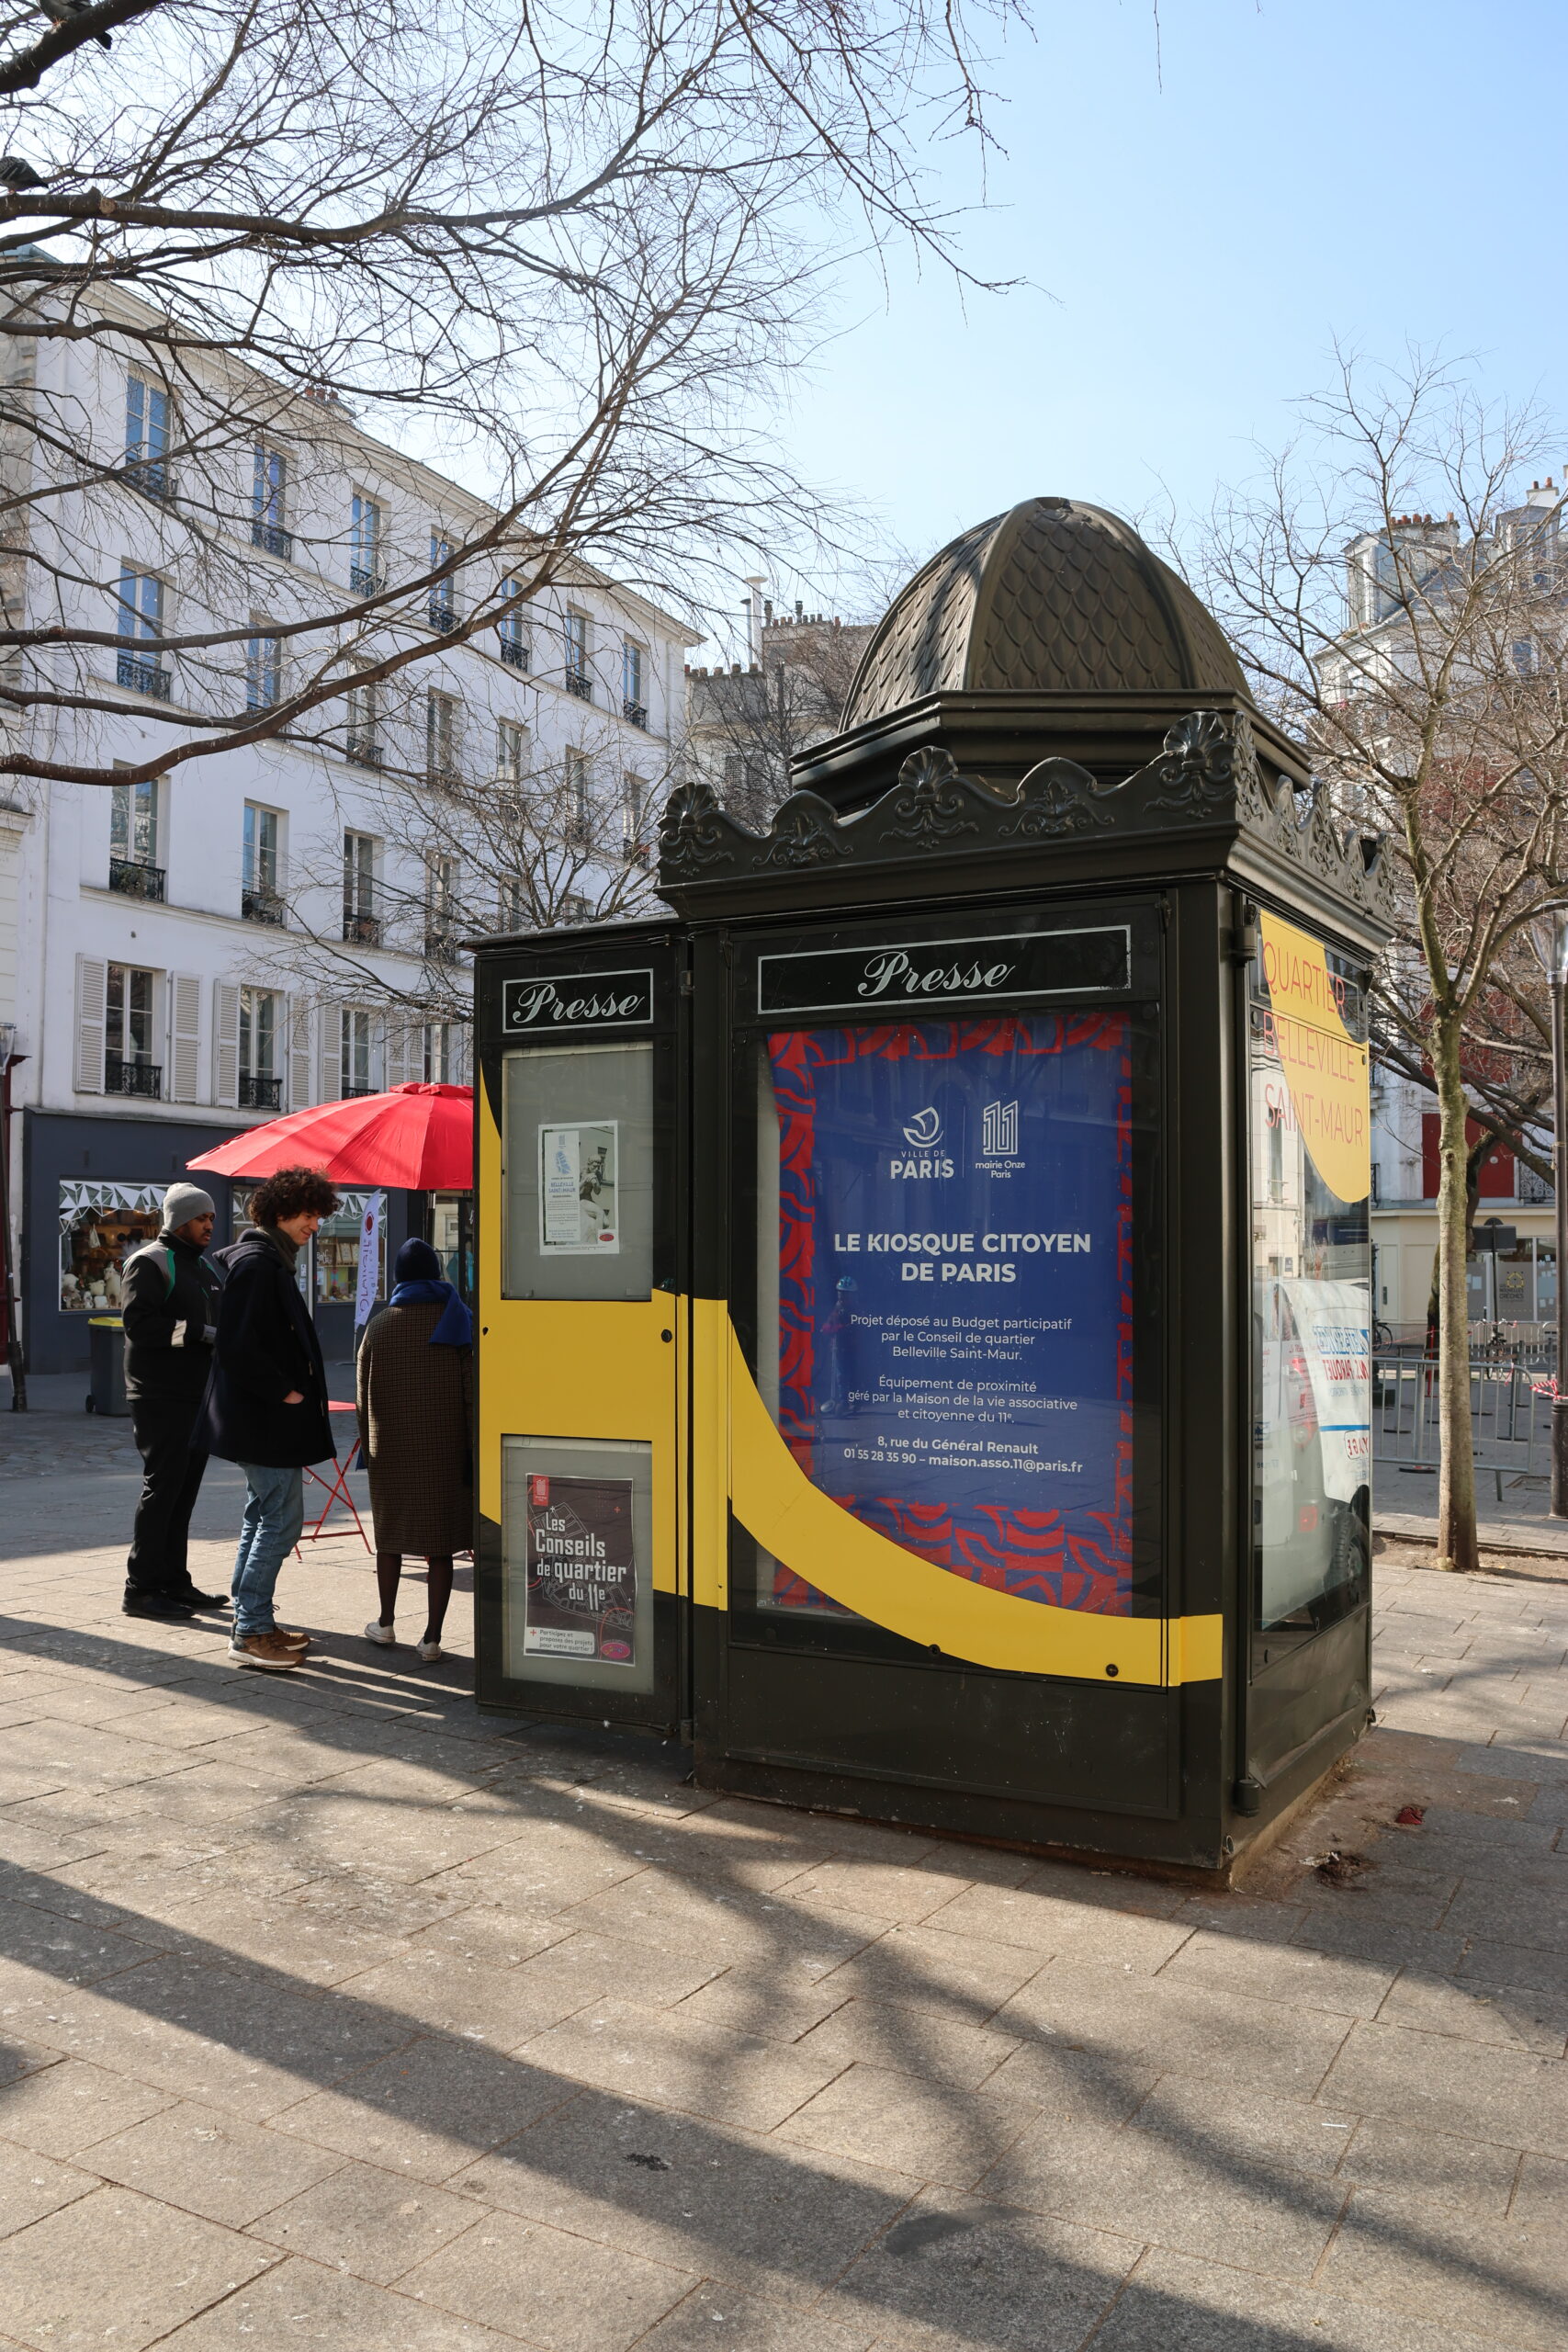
x=438 y=1589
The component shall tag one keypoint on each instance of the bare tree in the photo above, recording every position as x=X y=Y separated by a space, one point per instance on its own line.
x=564 y=251
x=746 y=724
x=1402 y=603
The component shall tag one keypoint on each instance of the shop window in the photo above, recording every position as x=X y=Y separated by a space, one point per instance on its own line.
x=337 y=1252
x=100 y=1225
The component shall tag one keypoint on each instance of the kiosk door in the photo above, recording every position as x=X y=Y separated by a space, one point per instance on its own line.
x=579 y=1286
x=946 y=1566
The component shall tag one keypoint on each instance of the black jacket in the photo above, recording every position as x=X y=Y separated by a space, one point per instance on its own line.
x=170 y=1304
x=267 y=1345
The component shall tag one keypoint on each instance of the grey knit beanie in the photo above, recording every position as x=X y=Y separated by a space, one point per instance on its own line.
x=182 y=1202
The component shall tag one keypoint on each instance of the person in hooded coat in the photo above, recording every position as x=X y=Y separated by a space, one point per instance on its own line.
x=414 y=1392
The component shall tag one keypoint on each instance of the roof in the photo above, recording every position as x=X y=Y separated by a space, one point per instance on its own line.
x=1054 y=596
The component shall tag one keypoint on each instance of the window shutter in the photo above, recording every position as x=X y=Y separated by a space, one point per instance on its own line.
x=299 y=1053
x=92 y=1010
x=185 y=1037
x=225 y=1042
x=332 y=1052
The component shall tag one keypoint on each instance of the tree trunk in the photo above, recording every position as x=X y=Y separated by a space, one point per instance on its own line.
x=1456 y=1477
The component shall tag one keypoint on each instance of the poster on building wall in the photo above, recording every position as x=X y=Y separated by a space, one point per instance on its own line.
x=581 y=1569
x=579 y=1189
x=955 y=1312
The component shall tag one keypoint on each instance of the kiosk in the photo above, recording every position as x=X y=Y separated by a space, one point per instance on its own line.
x=924 y=1282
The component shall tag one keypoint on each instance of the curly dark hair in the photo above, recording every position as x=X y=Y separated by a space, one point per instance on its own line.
x=289 y=1193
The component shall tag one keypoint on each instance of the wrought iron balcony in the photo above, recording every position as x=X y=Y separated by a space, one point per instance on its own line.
x=580 y=684
x=261 y=905
x=357 y=1093
x=364 y=930
x=362 y=749
x=133 y=1077
x=362 y=582
x=150 y=479
x=636 y=712
x=260 y=1093
x=515 y=652
x=133 y=878
x=443 y=614
x=142 y=677
x=274 y=538
x=441 y=944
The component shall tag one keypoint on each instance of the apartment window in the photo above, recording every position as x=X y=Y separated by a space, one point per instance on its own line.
x=146 y=437
x=441 y=1052
x=268 y=501
x=357 y=1047
x=134 y=869
x=1523 y=656
x=577 y=681
x=264 y=671
x=634 y=811
x=442 y=918
x=129 y=1065
x=633 y=704
x=513 y=906
x=440 y=737
x=364 y=546
x=261 y=1083
x=511 y=751
x=443 y=596
x=577 y=811
x=362 y=739
x=360 y=921
x=512 y=629
x=260 y=899
x=141 y=621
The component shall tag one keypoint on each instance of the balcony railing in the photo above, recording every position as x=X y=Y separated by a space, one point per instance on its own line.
x=362 y=582
x=135 y=879
x=274 y=538
x=142 y=677
x=133 y=1077
x=260 y=1093
x=580 y=684
x=365 y=931
x=443 y=615
x=362 y=750
x=358 y=1093
x=441 y=944
x=149 y=479
x=260 y=905
x=515 y=652
x=636 y=712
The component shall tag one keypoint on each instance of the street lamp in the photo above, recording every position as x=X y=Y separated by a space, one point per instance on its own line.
x=1550 y=937
x=8 y=1055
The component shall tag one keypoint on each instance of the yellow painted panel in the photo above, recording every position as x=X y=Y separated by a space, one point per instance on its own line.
x=880 y=1580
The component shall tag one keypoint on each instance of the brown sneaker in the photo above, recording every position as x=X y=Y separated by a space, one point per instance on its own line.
x=268 y=1650
x=295 y=1640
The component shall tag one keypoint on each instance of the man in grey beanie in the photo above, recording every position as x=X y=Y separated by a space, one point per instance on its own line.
x=170 y=1310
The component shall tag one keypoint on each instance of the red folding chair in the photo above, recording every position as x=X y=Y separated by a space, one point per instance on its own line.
x=336 y=1488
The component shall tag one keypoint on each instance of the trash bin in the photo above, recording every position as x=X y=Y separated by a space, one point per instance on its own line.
x=106 y=1338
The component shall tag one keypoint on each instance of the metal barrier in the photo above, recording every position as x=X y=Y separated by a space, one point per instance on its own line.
x=1510 y=1413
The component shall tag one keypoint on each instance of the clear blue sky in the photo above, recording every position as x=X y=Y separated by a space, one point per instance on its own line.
x=1378 y=170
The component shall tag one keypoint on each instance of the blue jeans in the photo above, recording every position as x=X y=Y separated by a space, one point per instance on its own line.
x=274 y=1513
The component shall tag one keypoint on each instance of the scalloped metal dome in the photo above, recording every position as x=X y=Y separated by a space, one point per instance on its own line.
x=1051 y=597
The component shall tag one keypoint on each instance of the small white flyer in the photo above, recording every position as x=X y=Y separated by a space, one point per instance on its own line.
x=579 y=1189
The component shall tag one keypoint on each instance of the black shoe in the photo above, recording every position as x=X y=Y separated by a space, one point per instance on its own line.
x=193 y=1600
x=154 y=1604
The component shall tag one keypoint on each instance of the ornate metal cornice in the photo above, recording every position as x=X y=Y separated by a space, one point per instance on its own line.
x=1206 y=775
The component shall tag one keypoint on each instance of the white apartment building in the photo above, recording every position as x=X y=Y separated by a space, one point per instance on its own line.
x=187 y=956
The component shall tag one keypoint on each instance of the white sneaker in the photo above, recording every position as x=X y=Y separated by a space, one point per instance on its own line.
x=376 y=1632
x=429 y=1652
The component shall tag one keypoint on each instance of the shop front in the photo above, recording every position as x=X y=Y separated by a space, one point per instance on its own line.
x=925 y=1282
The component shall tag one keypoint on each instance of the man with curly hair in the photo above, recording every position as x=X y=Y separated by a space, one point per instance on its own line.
x=266 y=1406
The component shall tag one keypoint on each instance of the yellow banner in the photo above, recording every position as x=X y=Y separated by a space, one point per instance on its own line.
x=1325 y=1067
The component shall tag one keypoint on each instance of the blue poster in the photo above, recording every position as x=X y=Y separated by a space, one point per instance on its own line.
x=956 y=1324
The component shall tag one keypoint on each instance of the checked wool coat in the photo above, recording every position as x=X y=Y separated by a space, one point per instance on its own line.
x=415 y=1405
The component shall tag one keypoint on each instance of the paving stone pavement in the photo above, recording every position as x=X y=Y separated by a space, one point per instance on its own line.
x=334 y=2014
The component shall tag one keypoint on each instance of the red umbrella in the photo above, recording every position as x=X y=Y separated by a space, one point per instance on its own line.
x=417 y=1138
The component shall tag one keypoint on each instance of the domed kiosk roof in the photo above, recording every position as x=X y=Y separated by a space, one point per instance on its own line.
x=1051 y=597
